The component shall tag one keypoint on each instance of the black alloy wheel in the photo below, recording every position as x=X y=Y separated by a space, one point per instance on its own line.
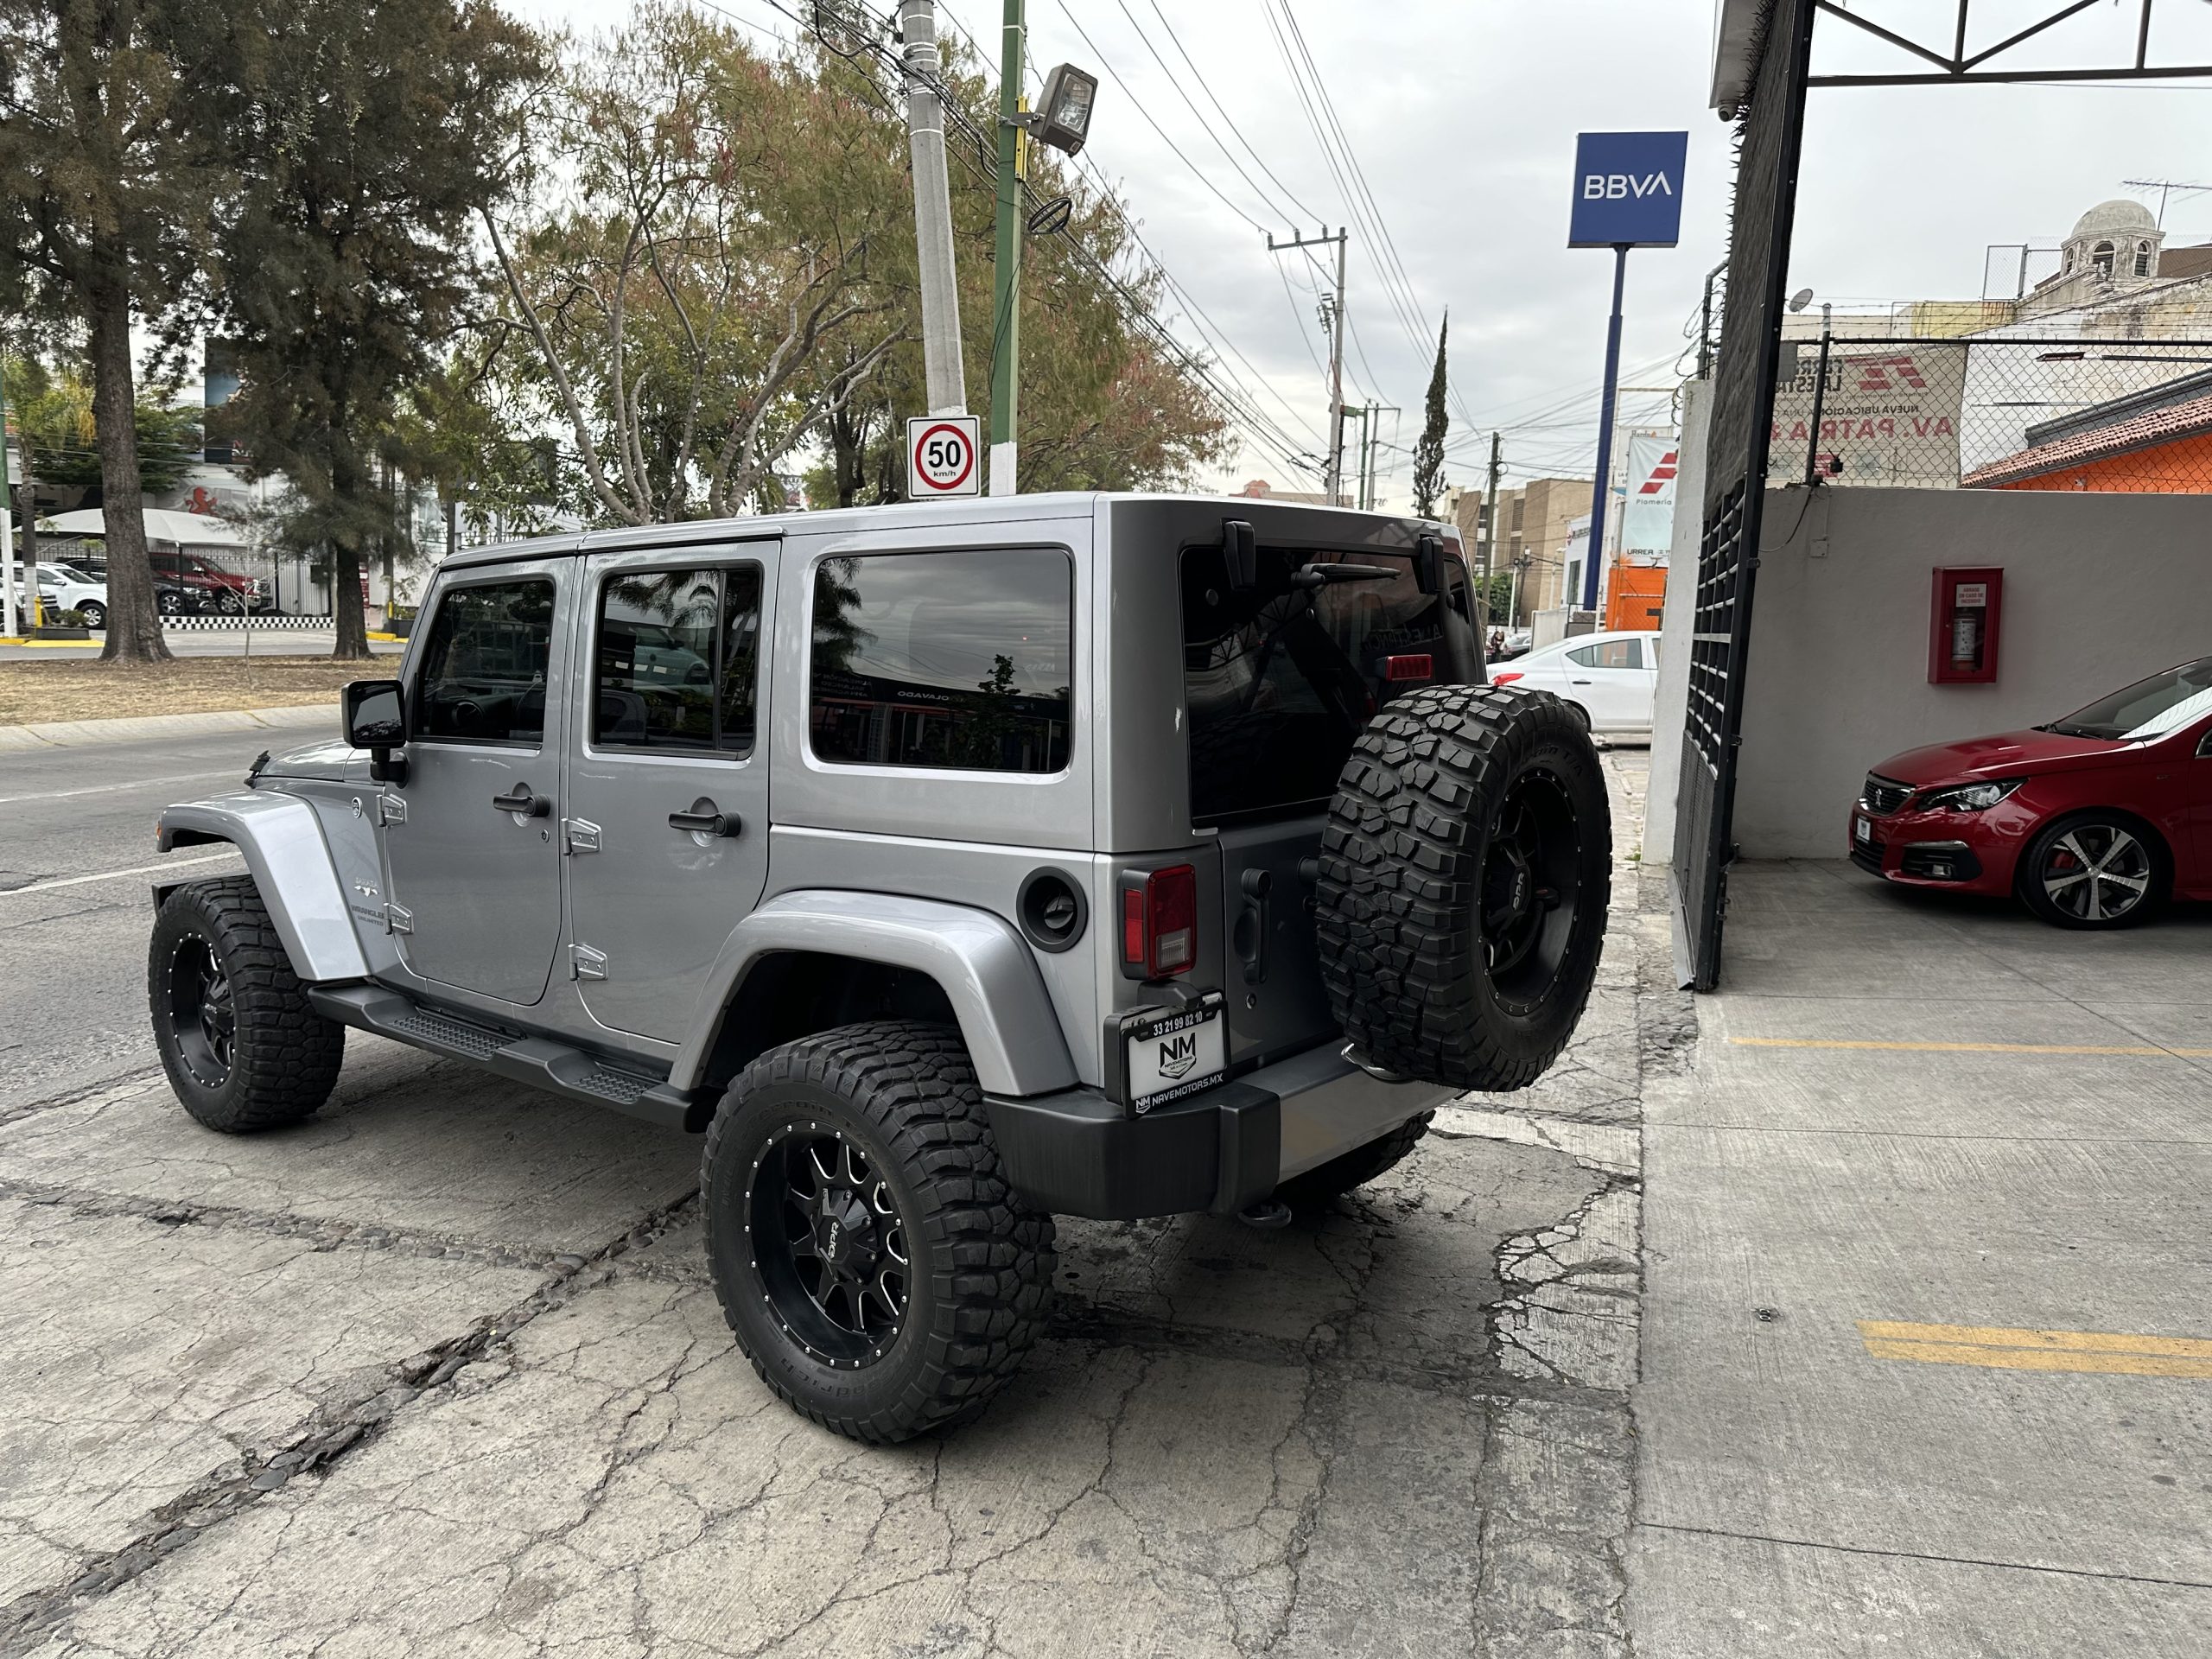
x=2094 y=871
x=170 y=603
x=830 y=1245
x=203 y=1016
x=1531 y=880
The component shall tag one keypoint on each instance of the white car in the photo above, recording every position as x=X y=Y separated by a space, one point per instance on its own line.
x=64 y=588
x=1610 y=680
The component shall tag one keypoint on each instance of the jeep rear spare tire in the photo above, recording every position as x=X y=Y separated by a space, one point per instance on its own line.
x=1464 y=874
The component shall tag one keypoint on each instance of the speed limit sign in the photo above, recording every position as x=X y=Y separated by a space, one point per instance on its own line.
x=941 y=455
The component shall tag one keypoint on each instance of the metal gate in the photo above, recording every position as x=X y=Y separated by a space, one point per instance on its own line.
x=1750 y=346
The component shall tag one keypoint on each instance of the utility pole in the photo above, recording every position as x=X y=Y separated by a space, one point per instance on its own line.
x=1489 y=512
x=1367 y=442
x=946 y=381
x=1006 y=299
x=1336 y=350
x=1365 y=417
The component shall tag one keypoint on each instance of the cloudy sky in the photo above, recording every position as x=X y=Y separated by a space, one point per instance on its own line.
x=1462 y=116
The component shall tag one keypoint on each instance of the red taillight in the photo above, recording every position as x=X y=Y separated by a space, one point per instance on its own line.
x=1506 y=678
x=1420 y=666
x=1160 y=922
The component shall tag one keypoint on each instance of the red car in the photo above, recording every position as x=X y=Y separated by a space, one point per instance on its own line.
x=2093 y=821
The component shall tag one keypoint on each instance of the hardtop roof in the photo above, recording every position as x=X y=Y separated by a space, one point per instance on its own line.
x=905 y=515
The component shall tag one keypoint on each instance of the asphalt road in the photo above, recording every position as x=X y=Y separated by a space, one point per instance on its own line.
x=77 y=862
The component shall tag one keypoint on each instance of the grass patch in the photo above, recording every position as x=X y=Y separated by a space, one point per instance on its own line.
x=32 y=692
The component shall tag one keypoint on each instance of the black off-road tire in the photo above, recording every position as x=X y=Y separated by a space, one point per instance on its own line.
x=1439 y=964
x=904 y=1097
x=215 y=948
x=1317 y=1186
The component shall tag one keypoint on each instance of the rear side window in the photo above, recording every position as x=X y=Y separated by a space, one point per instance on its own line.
x=952 y=660
x=1608 y=653
x=1279 y=681
x=483 y=677
x=677 y=657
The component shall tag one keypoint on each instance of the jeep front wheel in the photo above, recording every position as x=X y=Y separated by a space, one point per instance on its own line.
x=875 y=1267
x=243 y=1047
x=1464 y=874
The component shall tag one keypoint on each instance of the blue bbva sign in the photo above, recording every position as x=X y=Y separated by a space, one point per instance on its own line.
x=1628 y=189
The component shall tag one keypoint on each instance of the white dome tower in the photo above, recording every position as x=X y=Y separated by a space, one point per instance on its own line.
x=2115 y=242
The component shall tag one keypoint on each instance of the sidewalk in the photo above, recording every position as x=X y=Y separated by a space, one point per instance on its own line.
x=73 y=733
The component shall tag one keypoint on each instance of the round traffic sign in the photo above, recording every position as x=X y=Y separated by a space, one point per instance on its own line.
x=943 y=456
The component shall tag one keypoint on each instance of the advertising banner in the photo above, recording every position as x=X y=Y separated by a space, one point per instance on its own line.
x=1648 y=512
x=1889 y=414
x=1628 y=189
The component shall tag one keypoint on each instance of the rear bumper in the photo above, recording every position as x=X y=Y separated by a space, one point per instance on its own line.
x=1076 y=1153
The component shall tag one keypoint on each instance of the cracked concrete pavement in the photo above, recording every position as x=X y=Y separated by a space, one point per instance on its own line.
x=439 y=1372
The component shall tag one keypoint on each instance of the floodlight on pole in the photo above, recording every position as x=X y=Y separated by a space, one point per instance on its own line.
x=1062 y=117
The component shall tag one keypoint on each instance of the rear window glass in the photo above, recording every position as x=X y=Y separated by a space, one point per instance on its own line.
x=1279 y=681
x=951 y=660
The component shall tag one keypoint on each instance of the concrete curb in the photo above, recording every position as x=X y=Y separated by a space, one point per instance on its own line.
x=73 y=733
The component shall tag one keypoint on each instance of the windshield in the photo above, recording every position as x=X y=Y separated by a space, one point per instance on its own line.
x=2150 y=708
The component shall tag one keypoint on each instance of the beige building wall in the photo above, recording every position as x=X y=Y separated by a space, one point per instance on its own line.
x=1532 y=525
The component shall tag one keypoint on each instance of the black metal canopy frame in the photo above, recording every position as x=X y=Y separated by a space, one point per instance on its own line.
x=1958 y=66
x=1762 y=72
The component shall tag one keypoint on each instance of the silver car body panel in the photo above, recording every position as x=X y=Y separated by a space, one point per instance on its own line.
x=986 y=970
x=283 y=846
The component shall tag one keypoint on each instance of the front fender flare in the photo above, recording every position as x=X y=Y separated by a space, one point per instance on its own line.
x=291 y=864
x=986 y=971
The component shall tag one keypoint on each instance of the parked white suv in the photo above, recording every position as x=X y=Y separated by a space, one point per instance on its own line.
x=64 y=588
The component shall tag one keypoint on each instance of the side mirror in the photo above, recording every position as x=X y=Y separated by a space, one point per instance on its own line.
x=1428 y=564
x=1240 y=552
x=375 y=720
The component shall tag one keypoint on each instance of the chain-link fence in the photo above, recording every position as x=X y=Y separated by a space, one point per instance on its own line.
x=2007 y=413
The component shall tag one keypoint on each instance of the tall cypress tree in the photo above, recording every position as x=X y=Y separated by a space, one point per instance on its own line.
x=346 y=264
x=1429 y=454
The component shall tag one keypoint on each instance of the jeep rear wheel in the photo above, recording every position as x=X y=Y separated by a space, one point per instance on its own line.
x=242 y=1048
x=1464 y=875
x=871 y=1259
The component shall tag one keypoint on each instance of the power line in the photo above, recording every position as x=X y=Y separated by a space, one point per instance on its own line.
x=1221 y=110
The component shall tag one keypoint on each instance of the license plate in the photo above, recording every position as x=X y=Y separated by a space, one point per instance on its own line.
x=1862 y=830
x=1175 y=1052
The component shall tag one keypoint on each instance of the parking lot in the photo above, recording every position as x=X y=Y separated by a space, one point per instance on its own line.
x=1902 y=1349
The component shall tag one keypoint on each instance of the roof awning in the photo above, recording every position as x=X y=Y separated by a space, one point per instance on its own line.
x=162 y=525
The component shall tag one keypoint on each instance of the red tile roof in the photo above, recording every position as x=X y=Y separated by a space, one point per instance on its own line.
x=2143 y=431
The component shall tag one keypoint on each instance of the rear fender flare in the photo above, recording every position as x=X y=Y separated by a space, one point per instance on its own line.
x=284 y=847
x=982 y=964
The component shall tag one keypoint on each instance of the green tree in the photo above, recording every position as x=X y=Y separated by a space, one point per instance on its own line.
x=367 y=154
x=53 y=411
x=109 y=172
x=1429 y=452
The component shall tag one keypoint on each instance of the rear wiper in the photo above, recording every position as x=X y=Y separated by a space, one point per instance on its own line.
x=1312 y=576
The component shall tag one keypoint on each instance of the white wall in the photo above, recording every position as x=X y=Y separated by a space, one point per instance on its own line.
x=1675 y=621
x=2099 y=590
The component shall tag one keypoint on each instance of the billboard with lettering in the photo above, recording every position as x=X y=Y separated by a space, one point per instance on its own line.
x=1628 y=189
x=1889 y=415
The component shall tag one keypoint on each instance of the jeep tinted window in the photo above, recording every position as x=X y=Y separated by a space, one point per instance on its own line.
x=483 y=676
x=1280 y=681
x=955 y=660
x=677 y=655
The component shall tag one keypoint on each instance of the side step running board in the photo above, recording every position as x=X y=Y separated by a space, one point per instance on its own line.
x=574 y=1072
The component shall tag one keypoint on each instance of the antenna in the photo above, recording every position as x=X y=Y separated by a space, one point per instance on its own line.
x=2164 y=188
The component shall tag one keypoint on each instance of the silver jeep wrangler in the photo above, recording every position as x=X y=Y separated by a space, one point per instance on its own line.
x=947 y=867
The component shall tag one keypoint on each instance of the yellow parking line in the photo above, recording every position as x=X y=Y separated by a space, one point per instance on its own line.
x=2003 y=1349
x=2146 y=1049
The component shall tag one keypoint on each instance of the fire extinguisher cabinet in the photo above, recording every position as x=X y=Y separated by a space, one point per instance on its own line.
x=1963 y=625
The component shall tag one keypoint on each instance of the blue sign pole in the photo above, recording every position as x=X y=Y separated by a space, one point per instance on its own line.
x=1628 y=194
x=1602 y=488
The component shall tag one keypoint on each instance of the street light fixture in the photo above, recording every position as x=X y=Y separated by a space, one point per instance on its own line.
x=1062 y=117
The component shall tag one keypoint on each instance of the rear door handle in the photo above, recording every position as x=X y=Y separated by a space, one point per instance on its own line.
x=705 y=818
x=520 y=800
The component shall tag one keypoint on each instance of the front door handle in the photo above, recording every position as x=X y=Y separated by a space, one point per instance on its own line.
x=520 y=800
x=705 y=818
